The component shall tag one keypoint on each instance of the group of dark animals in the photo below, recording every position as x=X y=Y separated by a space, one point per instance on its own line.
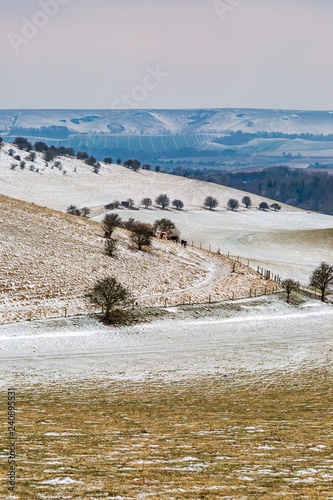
x=175 y=239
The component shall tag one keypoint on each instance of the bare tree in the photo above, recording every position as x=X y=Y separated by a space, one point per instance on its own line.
x=91 y=160
x=290 y=286
x=322 y=279
x=129 y=224
x=165 y=226
x=163 y=200
x=73 y=210
x=96 y=168
x=133 y=164
x=178 y=204
x=109 y=293
x=147 y=202
x=110 y=246
x=57 y=164
x=85 y=212
x=263 y=206
x=211 y=202
x=233 y=204
x=31 y=156
x=142 y=234
x=111 y=221
x=247 y=201
x=130 y=203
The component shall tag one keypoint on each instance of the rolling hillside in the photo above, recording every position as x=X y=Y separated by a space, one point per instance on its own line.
x=49 y=260
x=74 y=182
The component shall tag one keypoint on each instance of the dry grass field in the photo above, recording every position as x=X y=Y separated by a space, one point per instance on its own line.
x=210 y=438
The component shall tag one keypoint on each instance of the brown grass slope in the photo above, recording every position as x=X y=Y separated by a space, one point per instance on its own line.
x=49 y=260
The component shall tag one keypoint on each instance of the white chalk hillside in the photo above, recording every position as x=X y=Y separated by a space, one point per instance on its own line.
x=76 y=183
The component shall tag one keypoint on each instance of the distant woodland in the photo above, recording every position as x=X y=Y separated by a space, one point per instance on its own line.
x=296 y=187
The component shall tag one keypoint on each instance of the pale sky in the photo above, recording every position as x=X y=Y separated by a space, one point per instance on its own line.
x=226 y=53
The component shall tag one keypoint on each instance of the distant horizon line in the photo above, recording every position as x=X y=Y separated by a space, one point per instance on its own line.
x=171 y=109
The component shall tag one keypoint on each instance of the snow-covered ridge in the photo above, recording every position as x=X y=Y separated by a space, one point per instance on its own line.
x=152 y=122
x=164 y=132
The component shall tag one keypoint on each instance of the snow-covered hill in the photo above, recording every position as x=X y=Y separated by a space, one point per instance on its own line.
x=49 y=260
x=74 y=182
x=164 y=132
x=155 y=122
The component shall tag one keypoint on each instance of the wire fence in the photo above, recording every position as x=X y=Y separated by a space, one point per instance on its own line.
x=271 y=285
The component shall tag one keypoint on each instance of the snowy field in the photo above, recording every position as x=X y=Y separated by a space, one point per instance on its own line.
x=278 y=241
x=74 y=182
x=259 y=338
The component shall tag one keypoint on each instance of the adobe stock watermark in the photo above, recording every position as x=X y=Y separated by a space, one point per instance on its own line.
x=30 y=27
x=225 y=7
x=151 y=81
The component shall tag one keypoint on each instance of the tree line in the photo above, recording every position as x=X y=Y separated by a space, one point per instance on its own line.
x=295 y=187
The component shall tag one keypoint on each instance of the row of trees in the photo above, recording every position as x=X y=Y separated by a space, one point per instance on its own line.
x=321 y=279
x=211 y=203
x=83 y=212
x=132 y=164
x=51 y=152
x=163 y=201
x=297 y=187
x=141 y=232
